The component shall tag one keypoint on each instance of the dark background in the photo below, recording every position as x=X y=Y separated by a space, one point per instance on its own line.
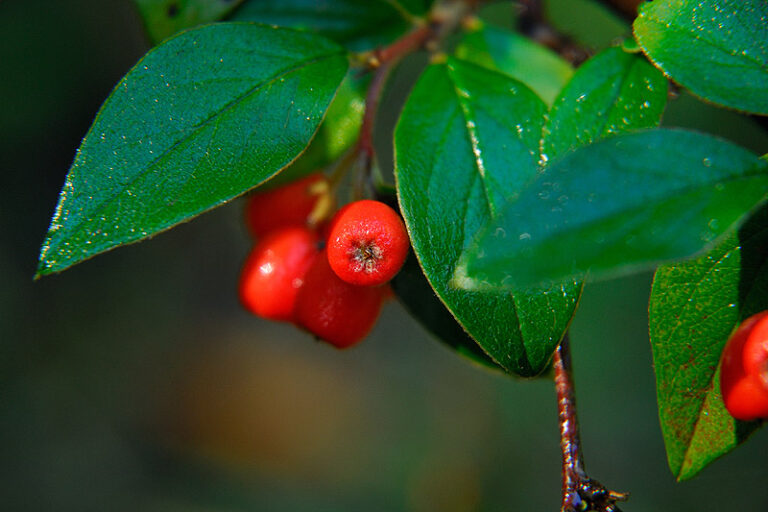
x=135 y=381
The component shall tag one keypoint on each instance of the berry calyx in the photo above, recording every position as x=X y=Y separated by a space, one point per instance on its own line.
x=295 y=204
x=333 y=310
x=744 y=370
x=274 y=272
x=367 y=243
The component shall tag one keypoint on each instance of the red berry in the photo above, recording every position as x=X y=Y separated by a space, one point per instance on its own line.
x=367 y=243
x=338 y=312
x=290 y=205
x=274 y=272
x=744 y=370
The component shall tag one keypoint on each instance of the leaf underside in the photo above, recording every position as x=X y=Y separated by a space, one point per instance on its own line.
x=164 y=18
x=357 y=24
x=694 y=306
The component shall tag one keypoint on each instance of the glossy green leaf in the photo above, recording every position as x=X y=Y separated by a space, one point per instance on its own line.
x=716 y=48
x=621 y=204
x=610 y=93
x=536 y=66
x=466 y=141
x=163 y=18
x=694 y=307
x=414 y=292
x=357 y=24
x=198 y=121
x=337 y=133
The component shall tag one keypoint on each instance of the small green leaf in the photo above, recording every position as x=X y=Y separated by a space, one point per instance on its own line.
x=163 y=18
x=357 y=24
x=716 y=48
x=621 y=204
x=694 y=307
x=612 y=92
x=466 y=141
x=198 y=121
x=538 y=67
x=412 y=288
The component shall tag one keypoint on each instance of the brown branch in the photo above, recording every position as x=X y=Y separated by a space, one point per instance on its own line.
x=570 y=442
x=409 y=43
x=372 y=101
x=444 y=19
x=624 y=9
x=532 y=22
x=579 y=492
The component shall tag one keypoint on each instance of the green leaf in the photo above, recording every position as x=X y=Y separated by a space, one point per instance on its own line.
x=538 y=67
x=337 y=133
x=694 y=307
x=621 y=204
x=612 y=92
x=466 y=141
x=414 y=292
x=357 y=24
x=163 y=18
x=198 y=121
x=716 y=48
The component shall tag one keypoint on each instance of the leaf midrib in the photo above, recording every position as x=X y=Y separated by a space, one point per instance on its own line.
x=669 y=195
x=689 y=31
x=465 y=109
x=191 y=133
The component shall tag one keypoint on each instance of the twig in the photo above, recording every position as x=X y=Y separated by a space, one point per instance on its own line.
x=372 y=101
x=444 y=18
x=624 y=9
x=579 y=492
x=532 y=22
x=409 y=43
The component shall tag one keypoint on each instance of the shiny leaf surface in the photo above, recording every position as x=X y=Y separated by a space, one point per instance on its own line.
x=337 y=133
x=466 y=141
x=198 y=121
x=621 y=204
x=512 y=54
x=610 y=93
x=716 y=48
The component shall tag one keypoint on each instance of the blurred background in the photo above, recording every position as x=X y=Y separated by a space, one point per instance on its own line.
x=136 y=382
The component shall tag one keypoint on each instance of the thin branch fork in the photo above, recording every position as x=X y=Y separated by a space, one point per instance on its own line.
x=579 y=492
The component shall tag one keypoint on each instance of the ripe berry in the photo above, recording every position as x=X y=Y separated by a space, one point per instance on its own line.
x=290 y=205
x=338 y=312
x=744 y=371
x=367 y=243
x=274 y=272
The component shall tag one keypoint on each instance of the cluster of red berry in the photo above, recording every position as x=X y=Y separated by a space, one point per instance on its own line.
x=329 y=278
x=744 y=370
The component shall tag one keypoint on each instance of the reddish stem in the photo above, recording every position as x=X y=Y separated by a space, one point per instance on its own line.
x=579 y=492
x=372 y=101
x=407 y=44
x=570 y=442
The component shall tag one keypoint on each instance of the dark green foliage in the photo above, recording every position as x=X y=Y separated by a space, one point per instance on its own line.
x=201 y=119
